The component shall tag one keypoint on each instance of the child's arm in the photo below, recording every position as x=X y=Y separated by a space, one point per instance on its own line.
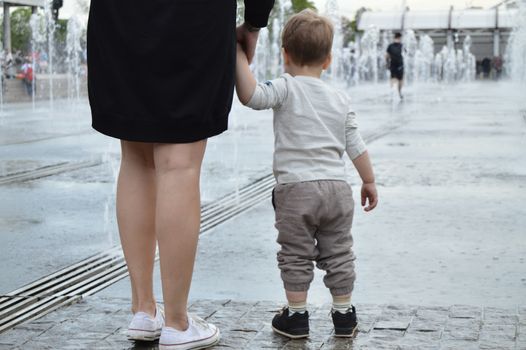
x=365 y=169
x=271 y=94
x=357 y=151
x=245 y=82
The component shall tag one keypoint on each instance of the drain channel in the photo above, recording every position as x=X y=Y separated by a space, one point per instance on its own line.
x=47 y=171
x=95 y=273
x=89 y=276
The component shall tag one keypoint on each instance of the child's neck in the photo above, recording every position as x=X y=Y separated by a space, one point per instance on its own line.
x=309 y=71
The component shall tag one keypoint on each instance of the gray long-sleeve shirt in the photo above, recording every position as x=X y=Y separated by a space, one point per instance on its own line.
x=313 y=127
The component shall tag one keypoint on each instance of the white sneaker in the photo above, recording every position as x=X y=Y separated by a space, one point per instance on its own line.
x=144 y=327
x=198 y=335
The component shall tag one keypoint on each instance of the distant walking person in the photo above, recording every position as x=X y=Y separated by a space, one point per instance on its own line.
x=498 y=64
x=26 y=75
x=486 y=67
x=395 y=62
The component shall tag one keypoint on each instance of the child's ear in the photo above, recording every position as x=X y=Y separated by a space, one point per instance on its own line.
x=327 y=62
x=286 y=57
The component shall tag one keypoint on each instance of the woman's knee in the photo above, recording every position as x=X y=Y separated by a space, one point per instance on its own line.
x=179 y=157
x=137 y=154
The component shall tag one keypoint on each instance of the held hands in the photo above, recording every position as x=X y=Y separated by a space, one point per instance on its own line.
x=369 y=194
x=240 y=52
x=248 y=40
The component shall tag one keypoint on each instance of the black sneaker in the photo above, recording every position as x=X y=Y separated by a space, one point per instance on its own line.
x=345 y=324
x=295 y=326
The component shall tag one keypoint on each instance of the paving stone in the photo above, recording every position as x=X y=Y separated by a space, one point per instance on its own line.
x=57 y=343
x=303 y=345
x=394 y=324
x=365 y=327
x=318 y=314
x=500 y=316
x=247 y=325
x=102 y=325
x=401 y=308
x=419 y=346
x=18 y=337
x=267 y=339
x=386 y=334
x=205 y=308
x=236 y=339
x=268 y=306
x=378 y=344
x=426 y=325
x=501 y=332
x=38 y=325
x=492 y=344
x=367 y=316
x=398 y=311
x=423 y=335
x=430 y=315
x=424 y=311
x=463 y=311
x=333 y=343
x=462 y=329
x=459 y=345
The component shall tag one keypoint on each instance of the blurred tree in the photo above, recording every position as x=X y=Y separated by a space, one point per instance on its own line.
x=348 y=29
x=61 y=31
x=300 y=5
x=20 y=29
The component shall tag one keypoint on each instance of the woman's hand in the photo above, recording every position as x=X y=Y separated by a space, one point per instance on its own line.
x=248 y=40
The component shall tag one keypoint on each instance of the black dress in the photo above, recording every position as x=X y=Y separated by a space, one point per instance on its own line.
x=163 y=70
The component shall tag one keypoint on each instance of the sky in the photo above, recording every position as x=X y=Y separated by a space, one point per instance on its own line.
x=349 y=7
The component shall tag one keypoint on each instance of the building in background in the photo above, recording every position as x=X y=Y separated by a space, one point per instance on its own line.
x=489 y=29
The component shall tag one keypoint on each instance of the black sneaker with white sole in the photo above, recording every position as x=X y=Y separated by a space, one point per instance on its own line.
x=294 y=326
x=345 y=324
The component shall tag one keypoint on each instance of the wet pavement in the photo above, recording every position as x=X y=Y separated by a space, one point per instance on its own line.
x=99 y=323
x=450 y=225
x=451 y=172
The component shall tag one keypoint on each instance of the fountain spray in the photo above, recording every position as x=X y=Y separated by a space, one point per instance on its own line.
x=516 y=52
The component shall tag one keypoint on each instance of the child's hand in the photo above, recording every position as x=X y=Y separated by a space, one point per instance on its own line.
x=369 y=194
x=240 y=52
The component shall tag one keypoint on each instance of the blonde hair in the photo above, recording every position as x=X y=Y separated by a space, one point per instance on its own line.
x=307 y=38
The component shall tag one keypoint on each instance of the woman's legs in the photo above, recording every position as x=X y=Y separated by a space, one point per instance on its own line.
x=136 y=193
x=177 y=222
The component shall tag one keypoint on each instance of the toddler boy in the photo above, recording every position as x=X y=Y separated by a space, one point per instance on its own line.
x=313 y=127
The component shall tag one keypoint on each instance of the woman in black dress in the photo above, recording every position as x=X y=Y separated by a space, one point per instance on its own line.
x=161 y=79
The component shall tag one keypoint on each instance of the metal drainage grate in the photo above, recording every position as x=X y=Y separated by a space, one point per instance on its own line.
x=47 y=171
x=89 y=276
